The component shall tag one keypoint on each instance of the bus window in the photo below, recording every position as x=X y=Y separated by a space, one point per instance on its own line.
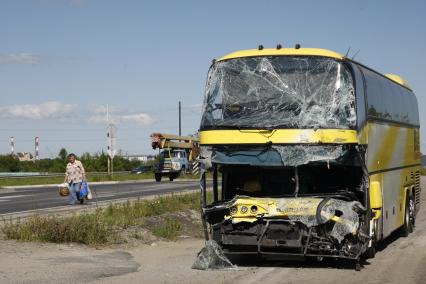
x=289 y=92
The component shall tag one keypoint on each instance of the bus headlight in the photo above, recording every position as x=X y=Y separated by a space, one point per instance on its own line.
x=233 y=210
x=253 y=209
x=244 y=209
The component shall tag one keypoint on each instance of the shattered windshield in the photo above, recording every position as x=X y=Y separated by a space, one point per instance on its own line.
x=279 y=91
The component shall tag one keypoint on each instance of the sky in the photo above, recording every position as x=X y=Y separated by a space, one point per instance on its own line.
x=63 y=61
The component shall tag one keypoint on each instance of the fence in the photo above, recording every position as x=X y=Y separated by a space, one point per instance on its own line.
x=45 y=175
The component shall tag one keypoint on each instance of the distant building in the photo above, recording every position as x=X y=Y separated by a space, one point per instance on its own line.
x=141 y=158
x=24 y=156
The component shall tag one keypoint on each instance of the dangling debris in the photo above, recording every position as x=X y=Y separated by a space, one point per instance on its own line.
x=212 y=257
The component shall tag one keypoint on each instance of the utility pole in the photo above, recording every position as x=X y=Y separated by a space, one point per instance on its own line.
x=111 y=134
x=180 y=120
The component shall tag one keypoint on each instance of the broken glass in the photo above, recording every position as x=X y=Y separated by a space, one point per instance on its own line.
x=347 y=220
x=279 y=91
x=296 y=155
x=212 y=257
x=275 y=155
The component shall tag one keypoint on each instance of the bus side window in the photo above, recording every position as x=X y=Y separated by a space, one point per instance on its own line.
x=359 y=97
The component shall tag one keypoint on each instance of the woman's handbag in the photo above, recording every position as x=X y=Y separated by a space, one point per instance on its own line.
x=64 y=189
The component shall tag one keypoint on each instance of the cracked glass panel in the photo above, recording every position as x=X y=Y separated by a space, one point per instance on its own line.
x=212 y=257
x=279 y=91
x=347 y=222
x=296 y=155
x=276 y=155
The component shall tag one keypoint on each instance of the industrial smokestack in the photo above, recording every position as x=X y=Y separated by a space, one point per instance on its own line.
x=12 y=145
x=36 y=153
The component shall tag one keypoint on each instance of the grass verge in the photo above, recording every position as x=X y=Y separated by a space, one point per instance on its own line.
x=104 y=226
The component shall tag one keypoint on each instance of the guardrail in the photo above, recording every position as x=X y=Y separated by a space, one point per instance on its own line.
x=46 y=175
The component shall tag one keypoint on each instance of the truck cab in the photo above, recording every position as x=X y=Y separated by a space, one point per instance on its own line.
x=172 y=163
x=176 y=154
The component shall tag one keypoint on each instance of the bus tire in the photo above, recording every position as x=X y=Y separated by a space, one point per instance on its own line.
x=408 y=225
x=370 y=252
x=157 y=177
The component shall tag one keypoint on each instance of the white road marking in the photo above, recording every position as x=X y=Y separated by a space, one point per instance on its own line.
x=12 y=197
x=103 y=195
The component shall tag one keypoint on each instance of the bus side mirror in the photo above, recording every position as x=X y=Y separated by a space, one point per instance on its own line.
x=376 y=201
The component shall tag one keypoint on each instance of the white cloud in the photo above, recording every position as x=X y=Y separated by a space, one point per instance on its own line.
x=37 y=111
x=119 y=115
x=19 y=58
x=98 y=118
x=102 y=109
x=139 y=118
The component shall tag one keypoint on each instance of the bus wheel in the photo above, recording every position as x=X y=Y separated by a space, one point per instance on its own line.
x=370 y=252
x=408 y=217
x=157 y=177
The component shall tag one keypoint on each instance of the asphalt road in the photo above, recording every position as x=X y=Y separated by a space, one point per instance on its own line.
x=15 y=200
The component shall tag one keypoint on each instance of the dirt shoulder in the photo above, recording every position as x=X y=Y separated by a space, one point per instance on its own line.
x=402 y=260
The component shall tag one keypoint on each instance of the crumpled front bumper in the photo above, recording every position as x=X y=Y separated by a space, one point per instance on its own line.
x=292 y=227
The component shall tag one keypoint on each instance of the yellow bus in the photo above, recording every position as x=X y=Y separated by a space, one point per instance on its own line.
x=312 y=154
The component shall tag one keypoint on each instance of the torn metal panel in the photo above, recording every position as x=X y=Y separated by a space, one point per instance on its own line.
x=275 y=155
x=284 y=91
x=297 y=155
x=212 y=257
x=205 y=158
x=308 y=211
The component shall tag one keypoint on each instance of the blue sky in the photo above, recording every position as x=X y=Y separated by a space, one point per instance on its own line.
x=63 y=61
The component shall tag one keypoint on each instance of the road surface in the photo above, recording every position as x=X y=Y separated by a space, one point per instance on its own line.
x=15 y=200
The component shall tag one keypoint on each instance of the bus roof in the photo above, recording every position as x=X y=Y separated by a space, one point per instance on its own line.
x=398 y=79
x=283 y=51
x=302 y=52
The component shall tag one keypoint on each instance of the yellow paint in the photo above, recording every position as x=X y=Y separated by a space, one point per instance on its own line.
x=377 y=214
x=276 y=208
x=398 y=79
x=376 y=201
x=384 y=156
x=278 y=136
x=283 y=52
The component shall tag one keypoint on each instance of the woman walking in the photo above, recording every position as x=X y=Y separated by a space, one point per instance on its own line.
x=74 y=176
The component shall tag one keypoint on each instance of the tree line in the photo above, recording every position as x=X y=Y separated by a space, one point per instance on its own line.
x=92 y=163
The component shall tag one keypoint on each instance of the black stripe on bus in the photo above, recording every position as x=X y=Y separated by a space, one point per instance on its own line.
x=394 y=169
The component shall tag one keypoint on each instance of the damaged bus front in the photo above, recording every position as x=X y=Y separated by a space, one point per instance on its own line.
x=281 y=131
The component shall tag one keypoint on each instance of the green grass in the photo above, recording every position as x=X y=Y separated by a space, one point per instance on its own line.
x=88 y=229
x=91 y=178
x=423 y=171
x=103 y=225
x=168 y=230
